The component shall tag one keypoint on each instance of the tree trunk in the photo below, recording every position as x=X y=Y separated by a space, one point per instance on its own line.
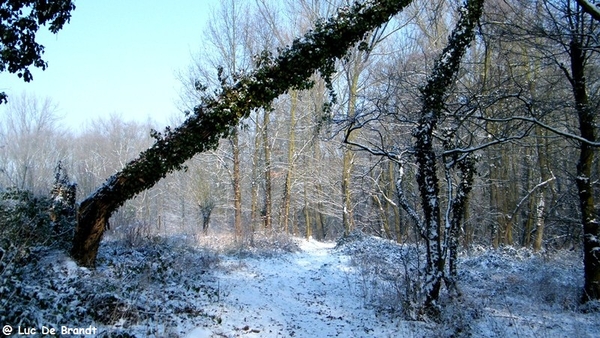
x=319 y=224
x=318 y=187
x=542 y=159
x=383 y=216
x=215 y=116
x=508 y=198
x=529 y=225
x=395 y=210
x=493 y=208
x=267 y=214
x=433 y=94
x=353 y=75
x=347 y=215
x=237 y=190
x=589 y=219
x=287 y=188
x=459 y=210
x=255 y=177
x=539 y=223
x=307 y=214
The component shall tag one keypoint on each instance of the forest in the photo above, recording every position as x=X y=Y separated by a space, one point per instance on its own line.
x=446 y=130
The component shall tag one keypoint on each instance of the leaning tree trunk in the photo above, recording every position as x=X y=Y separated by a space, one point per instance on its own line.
x=433 y=95
x=214 y=117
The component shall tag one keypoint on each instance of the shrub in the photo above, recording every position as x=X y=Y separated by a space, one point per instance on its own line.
x=24 y=218
x=26 y=231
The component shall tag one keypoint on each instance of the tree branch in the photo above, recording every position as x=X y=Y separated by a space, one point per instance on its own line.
x=404 y=202
x=547 y=127
x=590 y=8
x=539 y=185
x=486 y=145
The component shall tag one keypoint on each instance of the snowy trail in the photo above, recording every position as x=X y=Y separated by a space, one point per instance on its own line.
x=311 y=293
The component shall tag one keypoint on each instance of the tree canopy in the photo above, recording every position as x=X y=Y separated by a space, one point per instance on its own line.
x=20 y=20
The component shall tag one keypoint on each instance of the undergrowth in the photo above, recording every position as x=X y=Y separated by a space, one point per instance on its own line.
x=495 y=288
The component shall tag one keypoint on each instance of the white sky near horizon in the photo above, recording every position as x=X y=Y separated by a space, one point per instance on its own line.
x=117 y=57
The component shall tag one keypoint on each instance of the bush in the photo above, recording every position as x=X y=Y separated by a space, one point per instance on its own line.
x=24 y=218
x=26 y=231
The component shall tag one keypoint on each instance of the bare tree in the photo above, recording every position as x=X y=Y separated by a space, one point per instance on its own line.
x=30 y=145
x=578 y=51
x=434 y=92
x=438 y=233
x=563 y=37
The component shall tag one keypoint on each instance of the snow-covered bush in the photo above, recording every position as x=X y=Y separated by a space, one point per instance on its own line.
x=255 y=245
x=389 y=272
x=152 y=290
x=34 y=296
x=24 y=219
x=270 y=245
x=27 y=232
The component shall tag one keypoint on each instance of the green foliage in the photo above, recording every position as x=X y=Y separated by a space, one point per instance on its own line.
x=24 y=218
x=25 y=227
x=19 y=22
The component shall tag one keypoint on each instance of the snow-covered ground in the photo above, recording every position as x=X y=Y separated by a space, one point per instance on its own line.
x=357 y=290
x=360 y=287
x=311 y=293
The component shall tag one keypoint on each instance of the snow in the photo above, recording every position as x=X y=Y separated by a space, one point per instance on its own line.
x=311 y=293
x=362 y=286
x=199 y=332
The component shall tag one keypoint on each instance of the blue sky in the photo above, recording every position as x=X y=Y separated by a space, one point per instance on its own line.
x=117 y=56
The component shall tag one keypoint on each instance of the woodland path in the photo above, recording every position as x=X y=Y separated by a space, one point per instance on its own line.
x=312 y=293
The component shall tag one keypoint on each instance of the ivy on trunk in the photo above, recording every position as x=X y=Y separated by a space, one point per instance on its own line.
x=433 y=95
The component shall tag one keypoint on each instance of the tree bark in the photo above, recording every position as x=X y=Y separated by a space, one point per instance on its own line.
x=215 y=116
x=237 y=189
x=268 y=207
x=591 y=226
x=542 y=160
x=287 y=189
x=433 y=95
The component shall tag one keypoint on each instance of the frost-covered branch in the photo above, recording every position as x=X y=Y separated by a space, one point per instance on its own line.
x=412 y=213
x=539 y=185
x=547 y=127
